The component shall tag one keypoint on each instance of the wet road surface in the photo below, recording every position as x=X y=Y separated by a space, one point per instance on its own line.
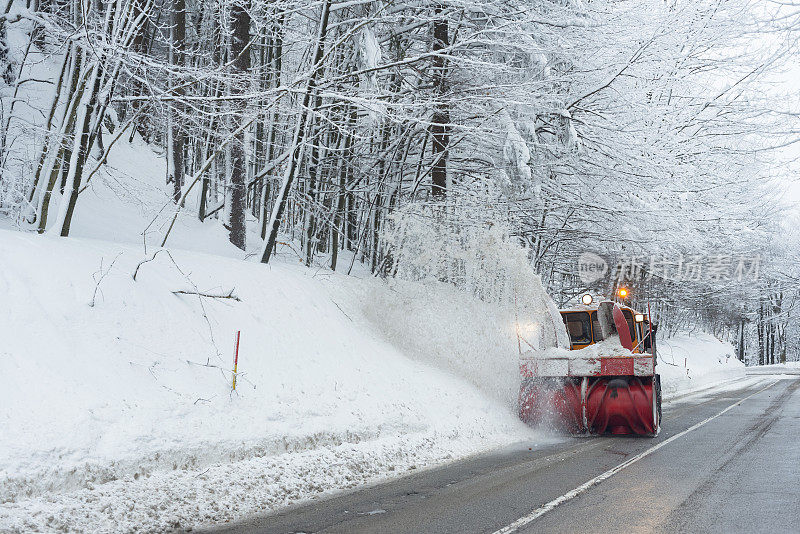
x=727 y=460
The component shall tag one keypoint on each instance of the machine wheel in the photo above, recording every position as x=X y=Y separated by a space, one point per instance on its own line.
x=657 y=403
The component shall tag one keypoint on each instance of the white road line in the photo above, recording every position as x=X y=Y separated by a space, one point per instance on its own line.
x=539 y=512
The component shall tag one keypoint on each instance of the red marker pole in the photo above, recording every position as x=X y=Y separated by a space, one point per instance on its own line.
x=236 y=358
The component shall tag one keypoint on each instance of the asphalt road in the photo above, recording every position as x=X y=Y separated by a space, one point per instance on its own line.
x=725 y=461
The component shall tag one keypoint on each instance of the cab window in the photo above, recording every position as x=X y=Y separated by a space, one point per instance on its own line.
x=577 y=324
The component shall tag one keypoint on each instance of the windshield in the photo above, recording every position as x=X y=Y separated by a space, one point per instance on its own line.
x=578 y=328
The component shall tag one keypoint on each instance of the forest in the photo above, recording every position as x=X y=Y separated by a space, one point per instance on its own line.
x=409 y=137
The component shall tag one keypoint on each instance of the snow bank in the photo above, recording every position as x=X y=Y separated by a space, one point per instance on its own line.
x=688 y=362
x=788 y=368
x=119 y=415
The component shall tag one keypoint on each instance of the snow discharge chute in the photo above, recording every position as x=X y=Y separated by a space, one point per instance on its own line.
x=605 y=384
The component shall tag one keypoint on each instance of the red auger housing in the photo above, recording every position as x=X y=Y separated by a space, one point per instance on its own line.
x=606 y=383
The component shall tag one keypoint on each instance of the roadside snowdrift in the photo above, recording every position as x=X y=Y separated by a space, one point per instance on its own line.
x=688 y=362
x=788 y=368
x=120 y=414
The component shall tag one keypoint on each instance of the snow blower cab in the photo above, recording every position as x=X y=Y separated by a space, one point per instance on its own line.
x=605 y=384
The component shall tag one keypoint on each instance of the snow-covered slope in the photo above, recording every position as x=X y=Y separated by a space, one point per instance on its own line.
x=128 y=202
x=120 y=413
x=692 y=361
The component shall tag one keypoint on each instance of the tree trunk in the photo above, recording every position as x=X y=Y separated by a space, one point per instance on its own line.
x=740 y=348
x=313 y=180
x=274 y=118
x=338 y=216
x=760 y=326
x=7 y=66
x=79 y=159
x=297 y=144
x=66 y=135
x=240 y=23
x=48 y=142
x=178 y=56
x=440 y=128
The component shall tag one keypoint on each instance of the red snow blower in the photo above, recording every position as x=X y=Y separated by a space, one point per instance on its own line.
x=606 y=383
